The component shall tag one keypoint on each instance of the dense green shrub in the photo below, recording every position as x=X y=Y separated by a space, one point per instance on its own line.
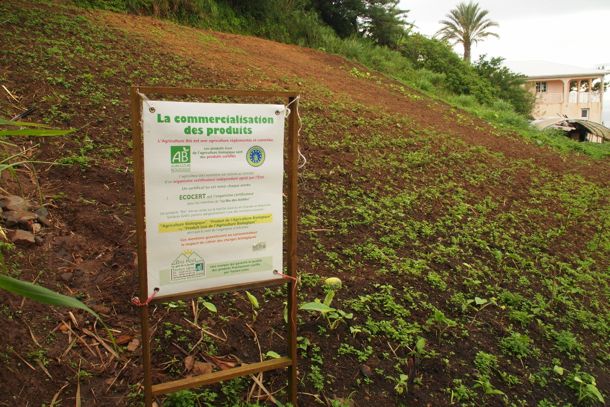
x=507 y=85
x=437 y=56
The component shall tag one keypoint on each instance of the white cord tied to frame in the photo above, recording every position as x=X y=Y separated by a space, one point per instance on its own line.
x=145 y=99
x=288 y=111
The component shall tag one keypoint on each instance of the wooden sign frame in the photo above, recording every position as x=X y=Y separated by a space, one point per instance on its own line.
x=290 y=361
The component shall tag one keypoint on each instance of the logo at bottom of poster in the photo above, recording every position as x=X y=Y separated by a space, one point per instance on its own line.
x=186 y=266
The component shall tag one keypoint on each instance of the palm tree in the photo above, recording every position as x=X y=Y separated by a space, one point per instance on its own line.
x=466 y=24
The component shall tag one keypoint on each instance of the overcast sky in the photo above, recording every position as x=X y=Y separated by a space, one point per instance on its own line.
x=575 y=32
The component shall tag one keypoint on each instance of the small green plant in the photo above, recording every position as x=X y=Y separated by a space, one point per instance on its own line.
x=332 y=315
x=316 y=377
x=402 y=384
x=567 y=343
x=273 y=355
x=439 y=322
x=40 y=356
x=81 y=159
x=359 y=74
x=254 y=304
x=516 y=344
x=460 y=393
x=586 y=387
x=484 y=384
x=362 y=355
x=485 y=362
x=522 y=317
x=436 y=281
x=419 y=350
x=182 y=398
x=82 y=374
x=509 y=379
x=200 y=304
x=583 y=384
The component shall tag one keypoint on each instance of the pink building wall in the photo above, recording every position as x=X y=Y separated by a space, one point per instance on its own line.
x=557 y=100
x=554 y=86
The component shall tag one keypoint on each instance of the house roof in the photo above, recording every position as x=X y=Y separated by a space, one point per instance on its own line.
x=543 y=69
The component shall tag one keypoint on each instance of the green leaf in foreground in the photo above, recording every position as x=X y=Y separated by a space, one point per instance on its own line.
x=21 y=124
x=316 y=307
x=210 y=307
x=41 y=294
x=480 y=301
x=253 y=300
x=272 y=355
x=35 y=132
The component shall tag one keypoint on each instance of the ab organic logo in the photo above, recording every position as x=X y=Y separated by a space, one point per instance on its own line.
x=181 y=154
x=180 y=158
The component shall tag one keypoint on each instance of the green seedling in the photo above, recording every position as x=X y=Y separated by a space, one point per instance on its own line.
x=484 y=384
x=586 y=387
x=460 y=393
x=402 y=384
x=583 y=384
x=332 y=315
x=439 y=322
x=420 y=348
x=255 y=305
x=208 y=305
x=182 y=398
x=516 y=344
x=272 y=355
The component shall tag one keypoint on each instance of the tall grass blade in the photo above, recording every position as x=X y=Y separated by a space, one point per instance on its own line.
x=22 y=124
x=35 y=132
x=41 y=294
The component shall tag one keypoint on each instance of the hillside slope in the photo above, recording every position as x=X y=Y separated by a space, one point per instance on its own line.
x=494 y=250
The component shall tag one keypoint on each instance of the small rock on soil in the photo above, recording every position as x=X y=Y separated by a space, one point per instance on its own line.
x=19 y=236
x=13 y=203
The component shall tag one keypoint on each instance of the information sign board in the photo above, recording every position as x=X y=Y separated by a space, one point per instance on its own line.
x=213 y=176
x=209 y=198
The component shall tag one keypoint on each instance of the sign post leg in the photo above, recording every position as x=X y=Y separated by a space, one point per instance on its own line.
x=136 y=123
x=146 y=356
x=292 y=344
x=292 y=247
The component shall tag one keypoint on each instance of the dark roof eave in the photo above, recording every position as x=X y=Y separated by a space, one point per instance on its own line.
x=571 y=76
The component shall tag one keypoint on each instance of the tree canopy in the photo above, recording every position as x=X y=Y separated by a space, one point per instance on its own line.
x=466 y=24
x=379 y=20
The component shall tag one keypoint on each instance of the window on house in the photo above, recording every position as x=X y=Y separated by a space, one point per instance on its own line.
x=573 y=86
x=585 y=86
x=584 y=113
x=540 y=87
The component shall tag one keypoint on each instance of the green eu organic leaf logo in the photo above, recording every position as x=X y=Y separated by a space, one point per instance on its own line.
x=180 y=154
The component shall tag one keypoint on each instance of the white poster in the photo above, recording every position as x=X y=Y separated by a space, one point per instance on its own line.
x=213 y=177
